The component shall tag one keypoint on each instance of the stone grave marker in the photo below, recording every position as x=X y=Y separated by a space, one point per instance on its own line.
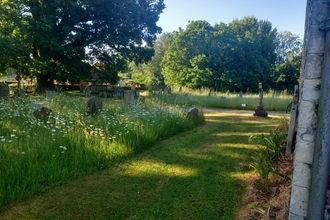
x=192 y=113
x=81 y=88
x=4 y=90
x=94 y=105
x=20 y=93
x=87 y=91
x=165 y=90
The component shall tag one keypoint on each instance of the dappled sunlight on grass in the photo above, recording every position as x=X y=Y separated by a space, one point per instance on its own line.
x=144 y=168
x=198 y=174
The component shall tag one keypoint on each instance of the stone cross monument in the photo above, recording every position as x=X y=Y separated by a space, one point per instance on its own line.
x=260 y=110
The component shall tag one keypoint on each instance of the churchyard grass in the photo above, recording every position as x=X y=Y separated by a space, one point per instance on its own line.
x=223 y=101
x=35 y=153
x=197 y=174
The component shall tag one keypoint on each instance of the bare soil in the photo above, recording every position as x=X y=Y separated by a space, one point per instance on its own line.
x=268 y=200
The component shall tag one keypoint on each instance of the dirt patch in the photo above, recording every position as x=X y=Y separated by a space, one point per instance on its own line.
x=268 y=200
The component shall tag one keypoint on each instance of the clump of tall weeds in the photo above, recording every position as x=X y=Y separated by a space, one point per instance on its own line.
x=269 y=147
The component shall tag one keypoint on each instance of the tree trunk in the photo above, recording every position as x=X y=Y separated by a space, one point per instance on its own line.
x=18 y=78
x=44 y=82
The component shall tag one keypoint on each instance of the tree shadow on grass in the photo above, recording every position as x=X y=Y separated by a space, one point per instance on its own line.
x=189 y=176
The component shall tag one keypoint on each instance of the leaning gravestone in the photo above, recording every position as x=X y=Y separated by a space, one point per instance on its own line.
x=192 y=113
x=94 y=105
x=4 y=90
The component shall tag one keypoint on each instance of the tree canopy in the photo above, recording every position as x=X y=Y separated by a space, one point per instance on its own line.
x=63 y=39
x=235 y=56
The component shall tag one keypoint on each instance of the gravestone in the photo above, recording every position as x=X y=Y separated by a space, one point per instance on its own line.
x=193 y=113
x=42 y=113
x=137 y=93
x=4 y=90
x=20 y=93
x=94 y=105
x=169 y=90
x=165 y=90
x=81 y=88
x=93 y=89
x=87 y=91
x=241 y=94
x=129 y=97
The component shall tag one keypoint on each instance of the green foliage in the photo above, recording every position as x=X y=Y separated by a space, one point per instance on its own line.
x=37 y=152
x=231 y=57
x=269 y=147
x=202 y=99
x=286 y=72
x=198 y=174
x=62 y=39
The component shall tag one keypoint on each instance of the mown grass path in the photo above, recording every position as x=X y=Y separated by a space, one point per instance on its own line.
x=195 y=175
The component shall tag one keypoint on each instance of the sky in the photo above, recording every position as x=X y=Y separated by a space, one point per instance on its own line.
x=285 y=15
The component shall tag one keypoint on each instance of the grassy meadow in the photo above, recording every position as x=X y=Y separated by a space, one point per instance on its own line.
x=198 y=173
x=271 y=101
x=38 y=152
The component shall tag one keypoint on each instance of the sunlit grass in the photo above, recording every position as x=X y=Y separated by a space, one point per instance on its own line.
x=271 y=101
x=37 y=152
x=198 y=174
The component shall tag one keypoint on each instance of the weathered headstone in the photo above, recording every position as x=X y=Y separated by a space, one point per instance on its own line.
x=137 y=93
x=193 y=113
x=81 y=88
x=93 y=89
x=42 y=113
x=165 y=90
x=129 y=97
x=87 y=92
x=160 y=91
x=241 y=94
x=94 y=105
x=4 y=90
x=20 y=93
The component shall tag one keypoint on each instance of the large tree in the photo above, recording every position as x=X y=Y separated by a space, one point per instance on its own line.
x=68 y=36
x=224 y=57
x=153 y=67
x=286 y=71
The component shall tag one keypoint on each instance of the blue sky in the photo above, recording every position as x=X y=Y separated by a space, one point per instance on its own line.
x=285 y=15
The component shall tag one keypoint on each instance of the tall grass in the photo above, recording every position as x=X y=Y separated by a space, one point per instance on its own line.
x=37 y=152
x=200 y=98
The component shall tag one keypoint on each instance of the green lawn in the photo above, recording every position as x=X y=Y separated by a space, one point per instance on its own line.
x=197 y=174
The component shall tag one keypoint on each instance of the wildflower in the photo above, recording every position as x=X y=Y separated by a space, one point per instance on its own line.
x=23 y=152
x=53 y=155
x=9 y=141
x=12 y=135
x=64 y=148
